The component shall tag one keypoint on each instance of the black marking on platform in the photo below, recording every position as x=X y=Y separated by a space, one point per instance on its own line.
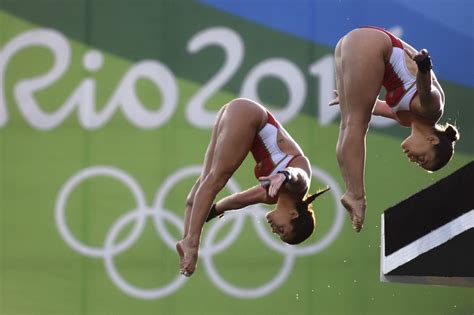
x=454 y=258
x=429 y=209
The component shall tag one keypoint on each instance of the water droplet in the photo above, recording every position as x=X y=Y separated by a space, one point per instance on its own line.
x=355 y=281
x=372 y=299
x=345 y=261
x=454 y=306
x=369 y=245
x=329 y=285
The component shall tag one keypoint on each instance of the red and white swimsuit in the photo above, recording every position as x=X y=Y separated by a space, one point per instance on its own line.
x=398 y=81
x=268 y=156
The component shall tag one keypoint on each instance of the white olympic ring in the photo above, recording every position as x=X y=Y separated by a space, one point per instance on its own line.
x=208 y=249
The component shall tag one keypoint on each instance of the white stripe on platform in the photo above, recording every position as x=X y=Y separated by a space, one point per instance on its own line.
x=425 y=243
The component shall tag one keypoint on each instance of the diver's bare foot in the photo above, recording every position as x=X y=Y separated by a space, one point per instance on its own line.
x=356 y=209
x=188 y=255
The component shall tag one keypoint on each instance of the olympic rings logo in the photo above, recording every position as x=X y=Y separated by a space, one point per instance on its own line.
x=209 y=247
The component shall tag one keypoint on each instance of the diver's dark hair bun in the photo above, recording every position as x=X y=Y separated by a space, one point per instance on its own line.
x=451 y=132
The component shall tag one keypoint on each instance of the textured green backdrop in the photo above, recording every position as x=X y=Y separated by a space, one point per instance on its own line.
x=43 y=144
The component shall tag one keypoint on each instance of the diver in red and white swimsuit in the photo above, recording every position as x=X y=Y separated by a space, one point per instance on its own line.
x=244 y=126
x=366 y=59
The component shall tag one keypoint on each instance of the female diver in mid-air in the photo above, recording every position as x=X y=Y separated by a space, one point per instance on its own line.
x=367 y=59
x=244 y=126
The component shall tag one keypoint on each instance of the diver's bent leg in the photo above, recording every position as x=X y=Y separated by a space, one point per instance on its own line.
x=237 y=130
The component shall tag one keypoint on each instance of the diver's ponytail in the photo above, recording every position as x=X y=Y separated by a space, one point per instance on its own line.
x=311 y=198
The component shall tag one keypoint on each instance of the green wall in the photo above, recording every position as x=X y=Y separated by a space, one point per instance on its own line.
x=104 y=121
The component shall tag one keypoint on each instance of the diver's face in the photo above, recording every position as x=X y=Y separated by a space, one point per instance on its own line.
x=279 y=220
x=419 y=149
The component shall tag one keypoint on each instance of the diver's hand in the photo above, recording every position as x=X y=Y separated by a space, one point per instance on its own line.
x=273 y=183
x=422 y=59
x=213 y=213
x=421 y=55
